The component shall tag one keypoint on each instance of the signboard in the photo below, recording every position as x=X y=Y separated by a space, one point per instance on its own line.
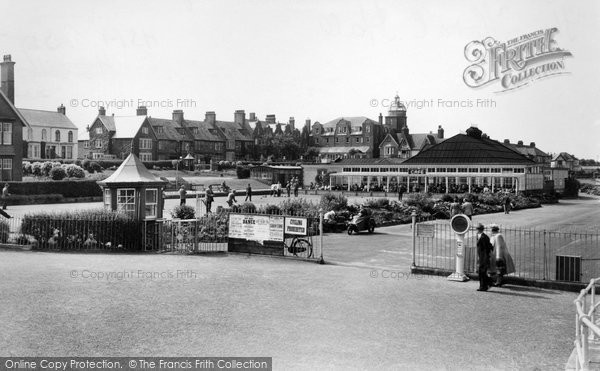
x=460 y=223
x=297 y=226
x=256 y=227
x=425 y=230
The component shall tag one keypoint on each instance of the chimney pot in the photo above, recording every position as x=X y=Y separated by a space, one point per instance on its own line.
x=520 y=143
x=7 y=58
x=252 y=116
x=506 y=141
x=101 y=111
x=532 y=144
x=440 y=132
x=62 y=109
x=178 y=116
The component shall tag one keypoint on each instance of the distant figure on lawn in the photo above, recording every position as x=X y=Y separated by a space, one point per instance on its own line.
x=231 y=198
x=182 y=195
x=507 y=204
x=296 y=186
x=5 y=195
x=210 y=197
x=248 y=193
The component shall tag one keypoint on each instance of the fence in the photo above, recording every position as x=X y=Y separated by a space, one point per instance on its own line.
x=118 y=233
x=557 y=254
x=587 y=329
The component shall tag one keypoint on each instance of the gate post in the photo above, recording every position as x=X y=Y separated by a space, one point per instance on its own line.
x=414 y=239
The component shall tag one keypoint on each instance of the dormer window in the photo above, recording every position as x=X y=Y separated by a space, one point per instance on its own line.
x=368 y=128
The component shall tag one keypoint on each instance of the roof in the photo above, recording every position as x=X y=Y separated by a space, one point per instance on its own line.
x=528 y=150
x=12 y=107
x=565 y=156
x=204 y=132
x=234 y=131
x=469 y=149
x=51 y=119
x=169 y=131
x=108 y=121
x=127 y=126
x=354 y=121
x=371 y=161
x=132 y=170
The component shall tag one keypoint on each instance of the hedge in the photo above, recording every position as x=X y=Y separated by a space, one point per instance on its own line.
x=67 y=188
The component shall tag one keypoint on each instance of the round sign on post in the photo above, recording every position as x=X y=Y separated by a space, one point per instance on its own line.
x=460 y=224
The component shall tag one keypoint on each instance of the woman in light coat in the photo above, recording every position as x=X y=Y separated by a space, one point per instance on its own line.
x=501 y=262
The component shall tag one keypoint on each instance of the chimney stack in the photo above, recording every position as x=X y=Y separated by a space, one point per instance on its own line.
x=252 y=116
x=178 y=116
x=141 y=111
x=210 y=117
x=270 y=119
x=101 y=111
x=506 y=141
x=440 y=132
x=292 y=123
x=520 y=143
x=380 y=119
x=7 y=80
x=239 y=117
x=532 y=144
x=62 y=109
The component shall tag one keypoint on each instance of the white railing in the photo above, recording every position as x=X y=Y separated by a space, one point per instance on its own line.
x=586 y=328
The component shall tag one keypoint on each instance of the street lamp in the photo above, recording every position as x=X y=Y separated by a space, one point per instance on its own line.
x=176 y=164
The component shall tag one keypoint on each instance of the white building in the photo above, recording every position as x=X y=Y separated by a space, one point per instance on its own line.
x=49 y=134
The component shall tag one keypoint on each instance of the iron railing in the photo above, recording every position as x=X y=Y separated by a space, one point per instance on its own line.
x=587 y=326
x=560 y=254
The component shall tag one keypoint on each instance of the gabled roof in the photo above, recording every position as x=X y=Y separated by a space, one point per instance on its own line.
x=565 y=156
x=469 y=149
x=169 y=131
x=108 y=122
x=354 y=121
x=51 y=119
x=12 y=108
x=127 y=126
x=234 y=131
x=372 y=161
x=132 y=170
x=389 y=137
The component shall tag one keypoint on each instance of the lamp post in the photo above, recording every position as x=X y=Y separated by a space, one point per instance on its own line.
x=176 y=164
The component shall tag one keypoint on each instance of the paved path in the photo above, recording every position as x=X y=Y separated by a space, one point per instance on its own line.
x=304 y=315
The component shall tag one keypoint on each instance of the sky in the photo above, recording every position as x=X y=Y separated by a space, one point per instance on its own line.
x=317 y=59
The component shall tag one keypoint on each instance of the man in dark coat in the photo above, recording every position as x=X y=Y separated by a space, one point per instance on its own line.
x=484 y=249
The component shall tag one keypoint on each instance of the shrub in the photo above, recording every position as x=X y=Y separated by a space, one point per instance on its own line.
x=67 y=188
x=242 y=172
x=82 y=229
x=377 y=203
x=330 y=201
x=58 y=173
x=36 y=168
x=95 y=167
x=27 y=168
x=419 y=200
x=46 y=167
x=271 y=210
x=74 y=171
x=447 y=198
x=298 y=206
x=183 y=212
x=248 y=207
x=85 y=164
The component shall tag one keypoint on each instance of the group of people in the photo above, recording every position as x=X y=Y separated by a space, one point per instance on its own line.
x=292 y=185
x=209 y=196
x=494 y=260
x=466 y=208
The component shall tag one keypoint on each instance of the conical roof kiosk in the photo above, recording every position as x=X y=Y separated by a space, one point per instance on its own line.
x=134 y=190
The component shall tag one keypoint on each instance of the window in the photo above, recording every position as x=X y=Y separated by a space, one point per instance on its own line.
x=98 y=130
x=316 y=130
x=317 y=140
x=326 y=140
x=484 y=170
x=337 y=140
x=126 y=200
x=145 y=130
x=368 y=140
x=6 y=173
x=347 y=140
x=69 y=151
x=145 y=143
x=86 y=144
x=161 y=145
x=357 y=140
x=368 y=128
x=29 y=134
x=195 y=130
x=57 y=136
x=151 y=202
x=70 y=137
x=44 y=135
x=107 y=199
x=6 y=133
x=231 y=144
x=159 y=129
x=98 y=143
x=145 y=156
x=473 y=170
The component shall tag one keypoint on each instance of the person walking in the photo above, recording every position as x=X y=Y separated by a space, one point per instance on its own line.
x=248 y=193
x=182 y=195
x=502 y=261
x=455 y=207
x=296 y=186
x=5 y=195
x=484 y=249
x=210 y=197
x=288 y=187
x=468 y=208
x=507 y=204
x=231 y=198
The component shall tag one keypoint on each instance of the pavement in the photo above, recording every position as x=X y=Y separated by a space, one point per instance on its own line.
x=363 y=311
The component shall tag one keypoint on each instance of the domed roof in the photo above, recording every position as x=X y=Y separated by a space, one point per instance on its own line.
x=396 y=107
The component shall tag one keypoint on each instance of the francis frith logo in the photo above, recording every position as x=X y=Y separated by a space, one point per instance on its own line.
x=516 y=62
